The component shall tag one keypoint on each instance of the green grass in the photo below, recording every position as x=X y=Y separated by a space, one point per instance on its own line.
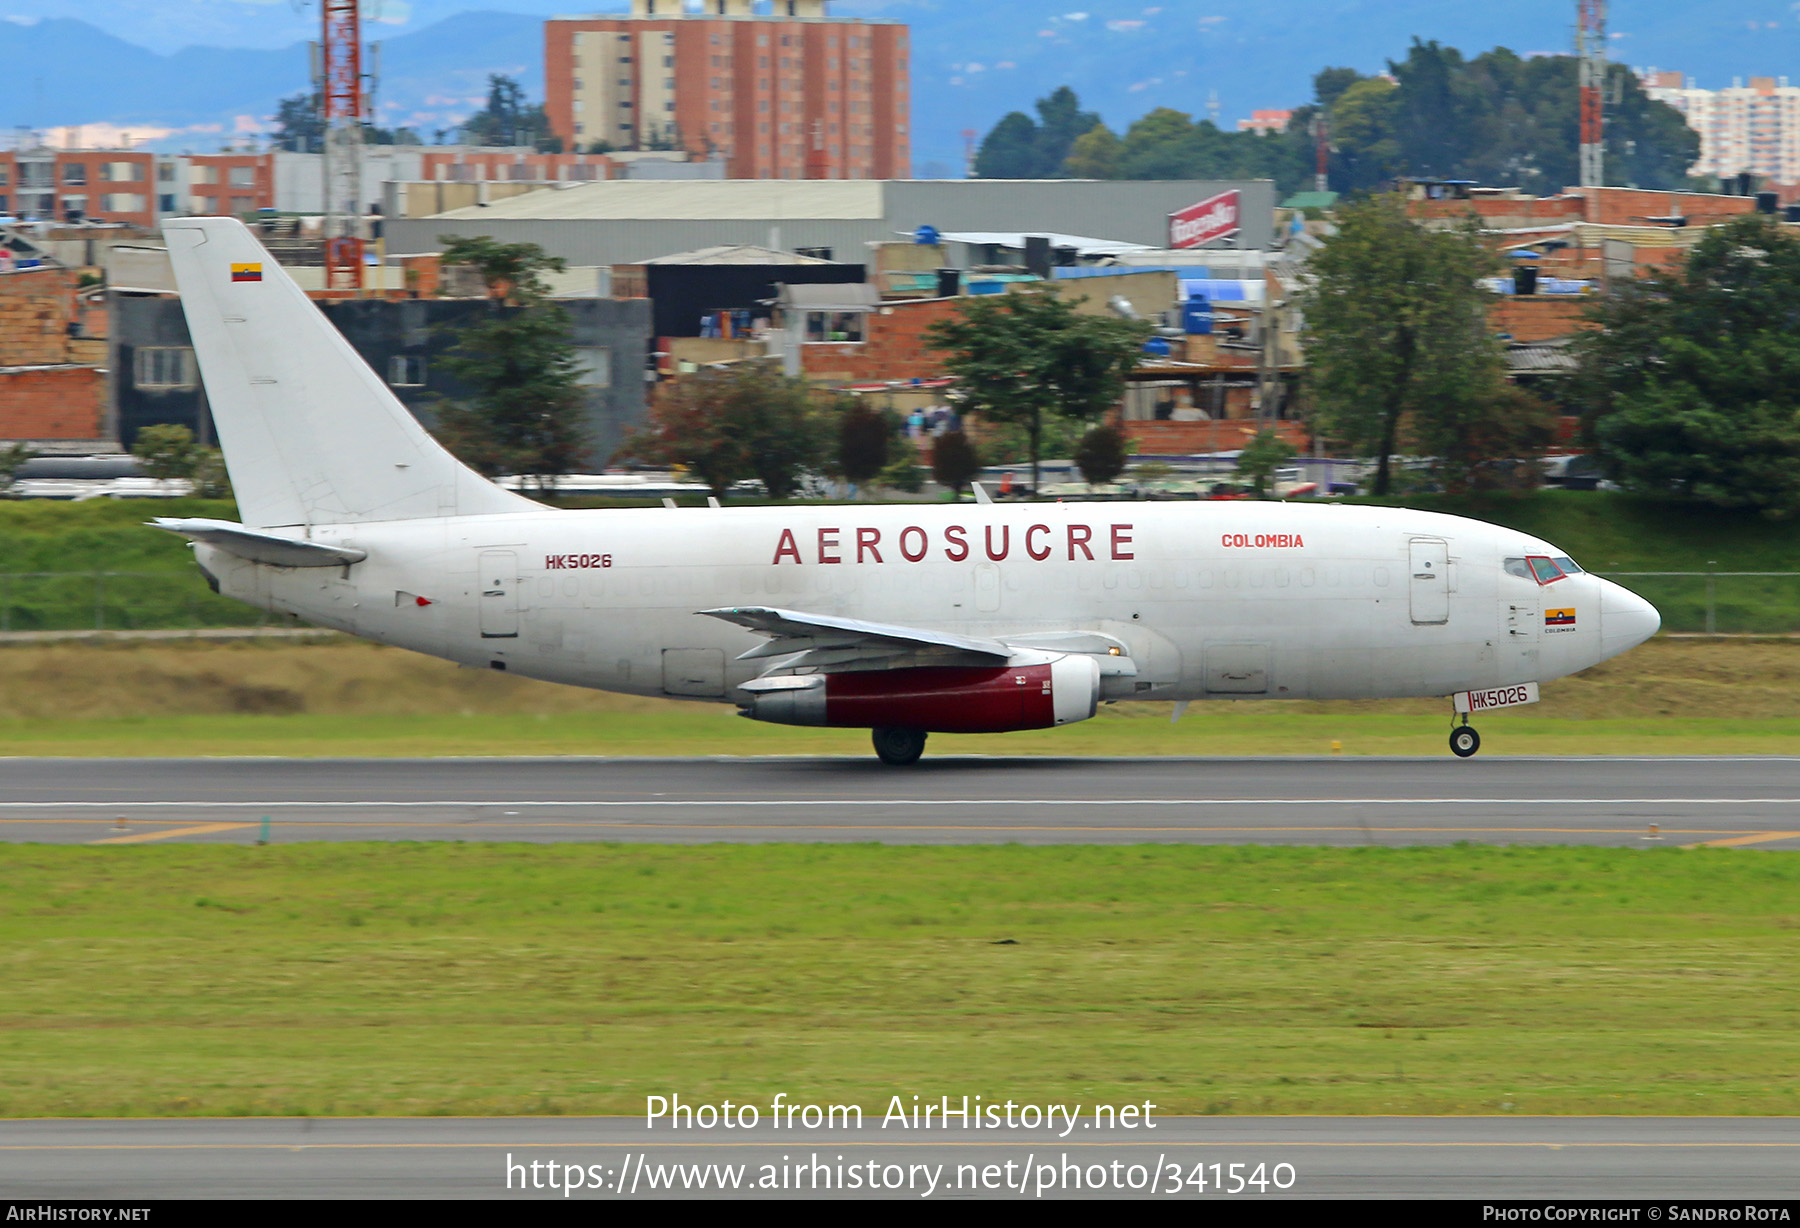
x=449 y=978
x=687 y=730
x=1604 y=531
x=343 y=697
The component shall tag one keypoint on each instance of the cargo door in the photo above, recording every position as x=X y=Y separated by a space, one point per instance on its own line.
x=1429 y=583
x=499 y=581
x=1237 y=669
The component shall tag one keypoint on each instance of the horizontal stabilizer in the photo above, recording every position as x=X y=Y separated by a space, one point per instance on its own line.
x=260 y=547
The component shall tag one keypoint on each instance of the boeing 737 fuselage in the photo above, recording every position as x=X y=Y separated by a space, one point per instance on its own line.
x=900 y=619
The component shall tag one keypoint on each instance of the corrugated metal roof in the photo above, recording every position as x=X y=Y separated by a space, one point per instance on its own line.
x=1013 y=239
x=1550 y=358
x=773 y=200
x=736 y=253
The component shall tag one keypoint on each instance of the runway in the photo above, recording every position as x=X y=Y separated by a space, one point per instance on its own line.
x=1639 y=803
x=1598 y=1158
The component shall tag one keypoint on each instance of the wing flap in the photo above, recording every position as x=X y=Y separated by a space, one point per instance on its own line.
x=791 y=631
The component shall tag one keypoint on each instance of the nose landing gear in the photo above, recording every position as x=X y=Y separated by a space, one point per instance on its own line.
x=1464 y=741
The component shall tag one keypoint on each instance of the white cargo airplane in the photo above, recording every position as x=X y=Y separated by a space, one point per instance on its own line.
x=904 y=620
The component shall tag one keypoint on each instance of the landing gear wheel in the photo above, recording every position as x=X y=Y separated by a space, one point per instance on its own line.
x=899 y=747
x=1464 y=742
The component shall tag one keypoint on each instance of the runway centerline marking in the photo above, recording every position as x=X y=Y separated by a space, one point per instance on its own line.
x=202 y=829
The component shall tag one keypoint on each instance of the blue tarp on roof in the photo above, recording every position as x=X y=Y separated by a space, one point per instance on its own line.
x=1221 y=290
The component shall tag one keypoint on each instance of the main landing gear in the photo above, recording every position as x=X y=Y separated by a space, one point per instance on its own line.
x=1464 y=741
x=899 y=747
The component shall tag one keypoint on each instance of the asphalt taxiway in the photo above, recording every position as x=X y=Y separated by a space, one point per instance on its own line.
x=1570 y=1158
x=1636 y=802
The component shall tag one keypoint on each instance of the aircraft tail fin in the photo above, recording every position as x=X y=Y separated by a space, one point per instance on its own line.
x=310 y=434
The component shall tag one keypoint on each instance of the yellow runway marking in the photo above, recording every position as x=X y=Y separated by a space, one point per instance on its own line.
x=202 y=829
x=1735 y=841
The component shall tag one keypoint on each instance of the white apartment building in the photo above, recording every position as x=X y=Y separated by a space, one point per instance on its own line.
x=1754 y=127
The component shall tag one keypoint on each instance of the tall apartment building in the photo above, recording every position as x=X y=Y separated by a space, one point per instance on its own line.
x=1753 y=127
x=141 y=188
x=791 y=93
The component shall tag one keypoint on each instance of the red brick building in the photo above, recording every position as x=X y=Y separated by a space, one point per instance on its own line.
x=792 y=95
x=52 y=372
x=229 y=184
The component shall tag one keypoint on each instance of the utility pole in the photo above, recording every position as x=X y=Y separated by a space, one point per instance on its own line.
x=342 y=110
x=1590 y=52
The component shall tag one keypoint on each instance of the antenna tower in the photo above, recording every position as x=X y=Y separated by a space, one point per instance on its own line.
x=343 y=112
x=1590 y=52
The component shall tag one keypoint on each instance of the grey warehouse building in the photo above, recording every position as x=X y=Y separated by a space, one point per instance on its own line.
x=626 y=221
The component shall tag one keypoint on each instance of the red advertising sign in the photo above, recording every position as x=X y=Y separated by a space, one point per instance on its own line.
x=1213 y=218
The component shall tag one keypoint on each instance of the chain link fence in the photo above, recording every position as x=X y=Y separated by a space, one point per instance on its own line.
x=1709 y=602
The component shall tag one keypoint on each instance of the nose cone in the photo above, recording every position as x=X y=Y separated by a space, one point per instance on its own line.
x=1626 y=619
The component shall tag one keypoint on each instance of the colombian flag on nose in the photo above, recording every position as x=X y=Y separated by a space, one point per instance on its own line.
x=246 y=272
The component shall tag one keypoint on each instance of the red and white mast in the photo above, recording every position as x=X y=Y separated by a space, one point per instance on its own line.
x=1590 y=52
x=343 y=111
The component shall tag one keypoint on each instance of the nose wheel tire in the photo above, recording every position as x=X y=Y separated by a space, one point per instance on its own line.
x=899 y=747
x=1464 y=742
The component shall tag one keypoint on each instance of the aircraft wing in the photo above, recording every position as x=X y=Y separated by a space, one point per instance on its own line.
x=829 y=641
x=262 y=547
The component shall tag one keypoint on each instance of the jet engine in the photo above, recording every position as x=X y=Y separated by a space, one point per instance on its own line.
x=1033 y=691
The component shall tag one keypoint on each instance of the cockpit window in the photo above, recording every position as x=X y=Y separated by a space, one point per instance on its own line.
x=1540 y=568
x=1569 y=566
x=1544 y=569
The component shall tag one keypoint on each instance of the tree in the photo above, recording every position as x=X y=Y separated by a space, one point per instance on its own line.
x=300 y=127
x=1019 y=148
x=862 y=444
x=1095 y=155
x=508 y=120
x=166 y=451
x=169 y=452
x=1102 y=454
x=1398 y=343
x=12 y=458
x=1691 y=385
x=727 y=424
x=1260 y=458
x=902 y=470
x=1009 y=151
x=1019 y=356
x=526 y=415
x=954 y=461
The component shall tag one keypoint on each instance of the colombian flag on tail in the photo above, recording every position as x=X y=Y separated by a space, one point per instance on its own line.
x=246 y=272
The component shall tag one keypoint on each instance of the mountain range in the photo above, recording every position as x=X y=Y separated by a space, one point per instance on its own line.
x=192 y=73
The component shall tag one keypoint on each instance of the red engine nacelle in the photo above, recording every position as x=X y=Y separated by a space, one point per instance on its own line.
x=1045 y=692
